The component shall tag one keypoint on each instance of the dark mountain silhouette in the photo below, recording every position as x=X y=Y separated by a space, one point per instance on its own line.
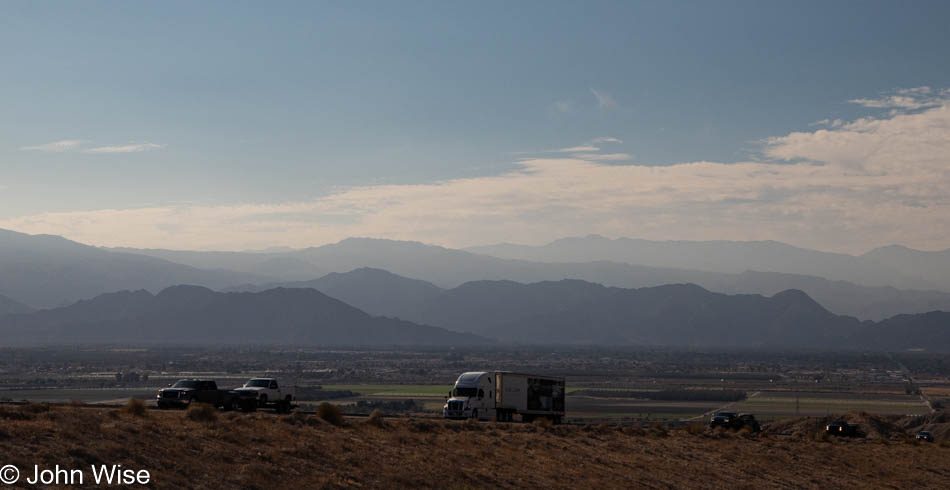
x=9 y=306
x=841 y=297
x=568 y=312
x=578 y=312
x=374 y=291
x=926 y=331
x=197 y=315
x=720 y=256
x=45 y=271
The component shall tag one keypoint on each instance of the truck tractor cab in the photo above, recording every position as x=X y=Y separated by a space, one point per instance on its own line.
x=473 y=396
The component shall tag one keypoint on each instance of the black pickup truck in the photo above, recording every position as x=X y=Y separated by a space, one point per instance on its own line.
x=732 y=420
x=187 y=391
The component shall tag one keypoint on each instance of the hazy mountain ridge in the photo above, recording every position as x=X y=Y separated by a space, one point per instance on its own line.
x=933 y=266
x=44 y=271
x=724 y=256
x=9 y=306
x=444 y=268
x=449 y=268
x=375 y=291
x=197 y=315
x=270 y=265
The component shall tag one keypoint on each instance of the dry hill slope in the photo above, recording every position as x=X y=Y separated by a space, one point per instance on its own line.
x=299 y=451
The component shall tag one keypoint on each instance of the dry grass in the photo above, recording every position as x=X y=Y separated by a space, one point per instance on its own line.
x=330 y=413
x=136 y=408
x=376 y=418
x=202 y=412
x=257 y=450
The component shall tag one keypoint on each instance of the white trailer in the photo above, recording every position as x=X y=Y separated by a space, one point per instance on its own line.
x=501 y=395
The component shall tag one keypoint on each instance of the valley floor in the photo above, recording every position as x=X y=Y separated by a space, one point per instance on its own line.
x=235 y=450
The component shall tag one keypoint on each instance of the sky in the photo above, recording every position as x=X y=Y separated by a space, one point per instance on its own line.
x=245 y=125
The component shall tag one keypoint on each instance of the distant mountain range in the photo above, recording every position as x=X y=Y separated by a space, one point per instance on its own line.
x=45 y=271
x=889 y=266
x=279 y=265
x=374 y=291
x=576 y=312
x=447 y=268
x=579 y=312
x=567 y=312
x=197 y=315
x=933 y=267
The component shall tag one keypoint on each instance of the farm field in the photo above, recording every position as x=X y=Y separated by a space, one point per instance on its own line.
x=393 y=390
x=775 y=405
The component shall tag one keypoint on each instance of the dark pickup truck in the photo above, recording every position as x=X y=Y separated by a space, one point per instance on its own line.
x=732 y=420
x=187 y=391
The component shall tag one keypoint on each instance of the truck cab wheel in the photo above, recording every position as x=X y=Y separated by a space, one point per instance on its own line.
x=475 y=414
x=263 y=401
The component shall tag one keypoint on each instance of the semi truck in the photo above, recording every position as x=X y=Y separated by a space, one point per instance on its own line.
x=502 y=395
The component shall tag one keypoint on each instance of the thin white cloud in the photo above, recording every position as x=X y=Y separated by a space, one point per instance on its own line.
x=832 y=123
x=60 y=146
x=129 y=148
x=604 y=100
x=605 y=139
x=869 y=182
x=562 y=106
x=605 y=157
x=575 y=149
x=64 y=146
x=906 y=99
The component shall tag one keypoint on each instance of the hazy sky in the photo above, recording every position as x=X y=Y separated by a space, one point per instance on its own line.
x=240 y=125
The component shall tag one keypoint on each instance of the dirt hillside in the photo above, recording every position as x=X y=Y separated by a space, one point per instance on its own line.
x=234 y=450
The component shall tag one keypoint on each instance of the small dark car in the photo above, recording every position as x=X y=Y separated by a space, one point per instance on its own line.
x=842 y=429
x=925 y=436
